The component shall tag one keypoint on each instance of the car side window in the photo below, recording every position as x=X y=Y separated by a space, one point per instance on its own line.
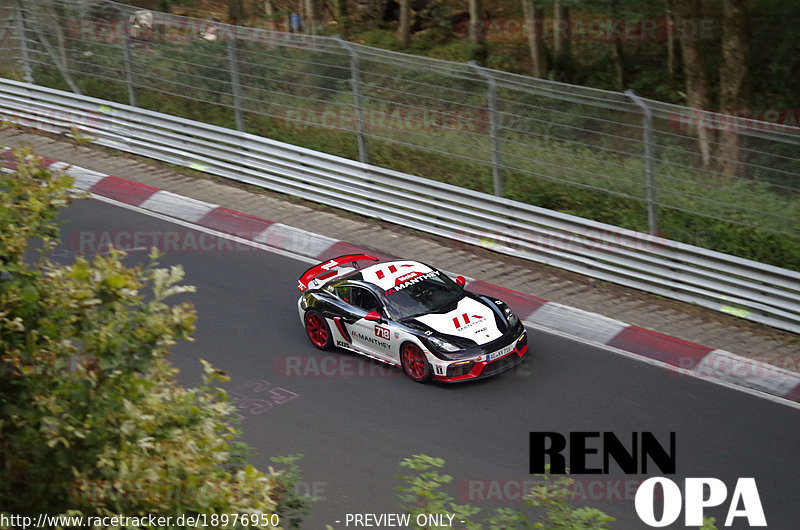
x=364 y=299
x=343 y=292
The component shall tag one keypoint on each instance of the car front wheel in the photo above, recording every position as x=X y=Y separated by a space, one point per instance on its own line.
x=318 y=331
x=415 y=365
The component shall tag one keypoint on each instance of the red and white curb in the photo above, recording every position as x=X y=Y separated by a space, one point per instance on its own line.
x=696 y=359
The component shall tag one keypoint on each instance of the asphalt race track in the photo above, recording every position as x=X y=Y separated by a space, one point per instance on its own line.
x=354 y=420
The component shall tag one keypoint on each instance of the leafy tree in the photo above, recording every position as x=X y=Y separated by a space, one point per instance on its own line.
x=552 y=493
x=92 y=420
x=422 y=495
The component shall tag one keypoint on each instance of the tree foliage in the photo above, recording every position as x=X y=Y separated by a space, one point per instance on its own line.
x=551 y=495
x=92 y=420
x=422 y=495
x=646 y=59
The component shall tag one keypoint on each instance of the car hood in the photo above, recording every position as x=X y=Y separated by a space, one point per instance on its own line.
x=470 y=319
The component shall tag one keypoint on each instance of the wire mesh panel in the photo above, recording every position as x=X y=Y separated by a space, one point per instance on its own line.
x=720 y=281
x=739 y=172
x=11 y=49
x=294 y=83
x=708 y=179
x=550 y=133
x=430 y=114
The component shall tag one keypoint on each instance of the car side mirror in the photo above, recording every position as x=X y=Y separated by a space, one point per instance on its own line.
x=461 y=281
x=373 y=316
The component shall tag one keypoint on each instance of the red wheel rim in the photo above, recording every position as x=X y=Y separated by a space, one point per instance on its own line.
x=317 y=332
x=414 y=361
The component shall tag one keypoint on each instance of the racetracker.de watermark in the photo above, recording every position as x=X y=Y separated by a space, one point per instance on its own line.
x=398 y=119
x=347 y=365
x=51 y=120
x=503 y=490
x=332 y=365
x=592 y=29
x=154 y=491
x=581 y=239
x=178 y=240
x=745 y=120
x=164 y=30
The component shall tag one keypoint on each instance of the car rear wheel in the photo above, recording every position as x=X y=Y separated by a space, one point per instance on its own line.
x=318 y=331
x=415 y=365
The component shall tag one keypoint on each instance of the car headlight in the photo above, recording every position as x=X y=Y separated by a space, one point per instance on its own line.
x=511 y=318
x=443 y=344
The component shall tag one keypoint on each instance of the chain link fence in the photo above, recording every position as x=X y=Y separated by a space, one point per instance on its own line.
x=723 y=182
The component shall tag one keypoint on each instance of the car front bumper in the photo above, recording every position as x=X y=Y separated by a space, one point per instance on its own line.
x=470 y=370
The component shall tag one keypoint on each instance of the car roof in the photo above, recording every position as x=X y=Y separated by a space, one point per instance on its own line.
x=388 y=274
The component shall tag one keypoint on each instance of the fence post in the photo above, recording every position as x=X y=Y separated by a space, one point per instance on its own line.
x=127 y=57
x=23 y=42
x=54 y=57
x=647 y=125
x=236 y=87
x=494 y=128
x=355 y=76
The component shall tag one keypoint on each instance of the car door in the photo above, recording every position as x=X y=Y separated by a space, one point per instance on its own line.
x=367 y=335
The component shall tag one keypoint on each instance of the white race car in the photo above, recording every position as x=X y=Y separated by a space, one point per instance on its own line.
x=408 y=314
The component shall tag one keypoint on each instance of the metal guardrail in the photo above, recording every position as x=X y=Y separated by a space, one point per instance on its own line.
x=748 y=289
x=529 y=139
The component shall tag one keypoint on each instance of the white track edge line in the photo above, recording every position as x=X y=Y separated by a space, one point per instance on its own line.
x=531 y=325
x=211 y=231
x=662 y=364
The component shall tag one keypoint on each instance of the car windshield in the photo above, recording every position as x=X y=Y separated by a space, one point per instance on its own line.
x=426 y=293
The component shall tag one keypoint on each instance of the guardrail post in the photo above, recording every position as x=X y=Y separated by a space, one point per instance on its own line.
x=494 y=128
x=236 y=87
x=127 y=57
x=355 y=77
x=763 y=293
x=647 y=125
x=23 y=42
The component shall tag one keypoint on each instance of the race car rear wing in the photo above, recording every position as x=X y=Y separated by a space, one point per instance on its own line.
x=326 y=267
